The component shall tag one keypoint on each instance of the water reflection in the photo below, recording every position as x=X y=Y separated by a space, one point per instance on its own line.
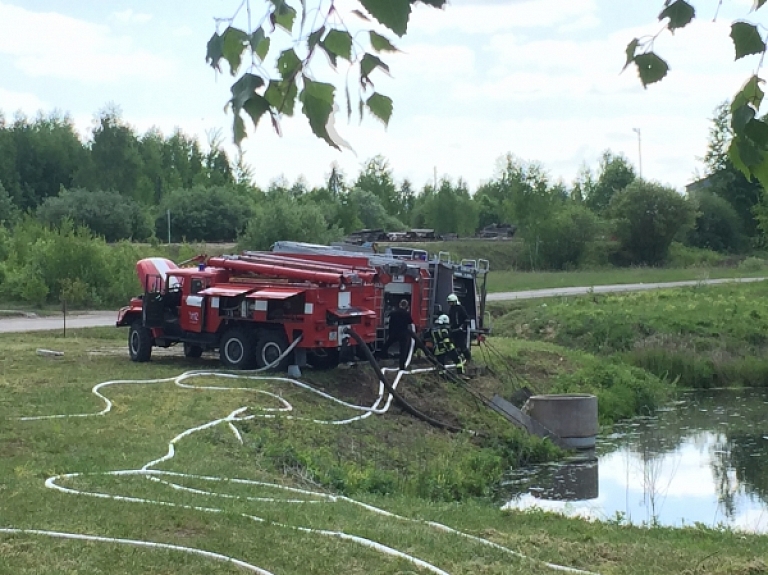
x=702 y=460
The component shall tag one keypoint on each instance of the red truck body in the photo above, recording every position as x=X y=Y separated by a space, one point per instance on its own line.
x=253 y=306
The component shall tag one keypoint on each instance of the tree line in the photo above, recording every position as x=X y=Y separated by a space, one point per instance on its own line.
x=120 y=185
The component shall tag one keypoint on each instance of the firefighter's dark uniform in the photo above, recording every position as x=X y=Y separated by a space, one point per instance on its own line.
x=445 y=350
x=459 y=322
x=399 y=332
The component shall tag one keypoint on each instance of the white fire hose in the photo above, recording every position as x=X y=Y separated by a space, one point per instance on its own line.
x=297 y=495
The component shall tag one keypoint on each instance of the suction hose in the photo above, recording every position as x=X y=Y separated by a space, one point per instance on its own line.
x=398 y=398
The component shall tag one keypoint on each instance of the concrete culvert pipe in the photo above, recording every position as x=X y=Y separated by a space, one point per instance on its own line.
x=570 y=416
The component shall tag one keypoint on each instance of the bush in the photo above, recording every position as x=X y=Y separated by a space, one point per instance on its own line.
x=648 y=216
x=204 y=214
x=45 y=265
x=565 y=236
x=107 y=214
x=280 y=217
x=681 y=256
x=622 y=391
x=752 y=264
x=718 y=226
x=371 y=211
x=26 y=285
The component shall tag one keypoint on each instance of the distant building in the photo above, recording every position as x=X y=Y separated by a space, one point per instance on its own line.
x=698 y=185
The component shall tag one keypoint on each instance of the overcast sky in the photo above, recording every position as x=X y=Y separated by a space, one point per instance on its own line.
x=536 y=78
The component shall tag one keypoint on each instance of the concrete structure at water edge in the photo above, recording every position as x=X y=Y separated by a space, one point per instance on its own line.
x=572 y=417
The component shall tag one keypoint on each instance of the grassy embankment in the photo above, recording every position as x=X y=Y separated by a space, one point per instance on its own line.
x=713 y=336
x=392 y=461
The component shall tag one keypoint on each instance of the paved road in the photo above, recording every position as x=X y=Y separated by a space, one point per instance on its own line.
x=97 y=319
x=89 y=319
x=568 y=291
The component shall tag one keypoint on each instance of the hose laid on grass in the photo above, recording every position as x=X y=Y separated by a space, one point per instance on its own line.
x=139 y=543
x=393 y=392
x=297 y=495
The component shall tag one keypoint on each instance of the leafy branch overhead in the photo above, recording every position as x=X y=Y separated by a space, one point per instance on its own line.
x=749 y=146
x=272 y=59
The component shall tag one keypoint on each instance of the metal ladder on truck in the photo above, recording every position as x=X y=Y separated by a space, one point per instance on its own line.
x=427 y=297
x=381 y=326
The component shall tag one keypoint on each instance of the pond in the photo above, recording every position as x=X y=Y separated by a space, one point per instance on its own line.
x=702 y=460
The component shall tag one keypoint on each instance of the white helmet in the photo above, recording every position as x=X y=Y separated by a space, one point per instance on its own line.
x=453 y=298
x=443 y=320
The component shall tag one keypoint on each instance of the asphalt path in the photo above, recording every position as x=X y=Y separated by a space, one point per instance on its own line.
x=108 y=318
x=87 y=319
x=614 y=288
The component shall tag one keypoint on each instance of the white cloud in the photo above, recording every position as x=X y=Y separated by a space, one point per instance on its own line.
x=67 y=48
x=182 y=31
x=581 y=23
x=25 y=102
x=489 y=17
x=130 y=17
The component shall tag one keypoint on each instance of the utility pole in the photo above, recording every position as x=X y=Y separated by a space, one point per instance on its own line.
x=434 y=173
x=639 y=152
x=168 y=215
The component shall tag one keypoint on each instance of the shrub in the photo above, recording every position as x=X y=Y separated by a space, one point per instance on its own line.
x=107 y=214
x=648 y=216
x=752 y=264
x=718 y=226
x=281 y=217
x=622 y=391
x=681 y=256
x=565 y=236
x=26 y=285
x=212 y=214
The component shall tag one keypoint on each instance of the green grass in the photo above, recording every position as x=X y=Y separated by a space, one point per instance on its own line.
x=391 y=461
x=502 y=281
x=707 y=336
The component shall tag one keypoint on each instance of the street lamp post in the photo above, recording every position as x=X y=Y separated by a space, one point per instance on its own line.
x=639 y=151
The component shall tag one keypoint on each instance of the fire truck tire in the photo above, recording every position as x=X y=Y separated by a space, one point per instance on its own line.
x=270 y=346
x=236 y=349
x=192 y=351
x=139 y=342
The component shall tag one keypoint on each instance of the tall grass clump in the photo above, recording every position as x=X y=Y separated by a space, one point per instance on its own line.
x=622 y=391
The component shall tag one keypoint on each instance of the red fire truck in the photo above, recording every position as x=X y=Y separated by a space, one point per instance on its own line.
x=253 y=306
x=410 y=274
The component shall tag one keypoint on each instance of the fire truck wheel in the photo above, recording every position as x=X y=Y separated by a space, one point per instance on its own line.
x=270 y=346
x=139 y=342
x=192 y=351
x=236 y=349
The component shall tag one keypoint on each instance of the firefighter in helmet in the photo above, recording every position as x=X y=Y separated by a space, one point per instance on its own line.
x=459 y=323
x=400 y=329
x=445 y=351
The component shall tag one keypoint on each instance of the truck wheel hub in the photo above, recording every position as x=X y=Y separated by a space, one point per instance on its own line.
x=271 y=352
x=234 y=350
